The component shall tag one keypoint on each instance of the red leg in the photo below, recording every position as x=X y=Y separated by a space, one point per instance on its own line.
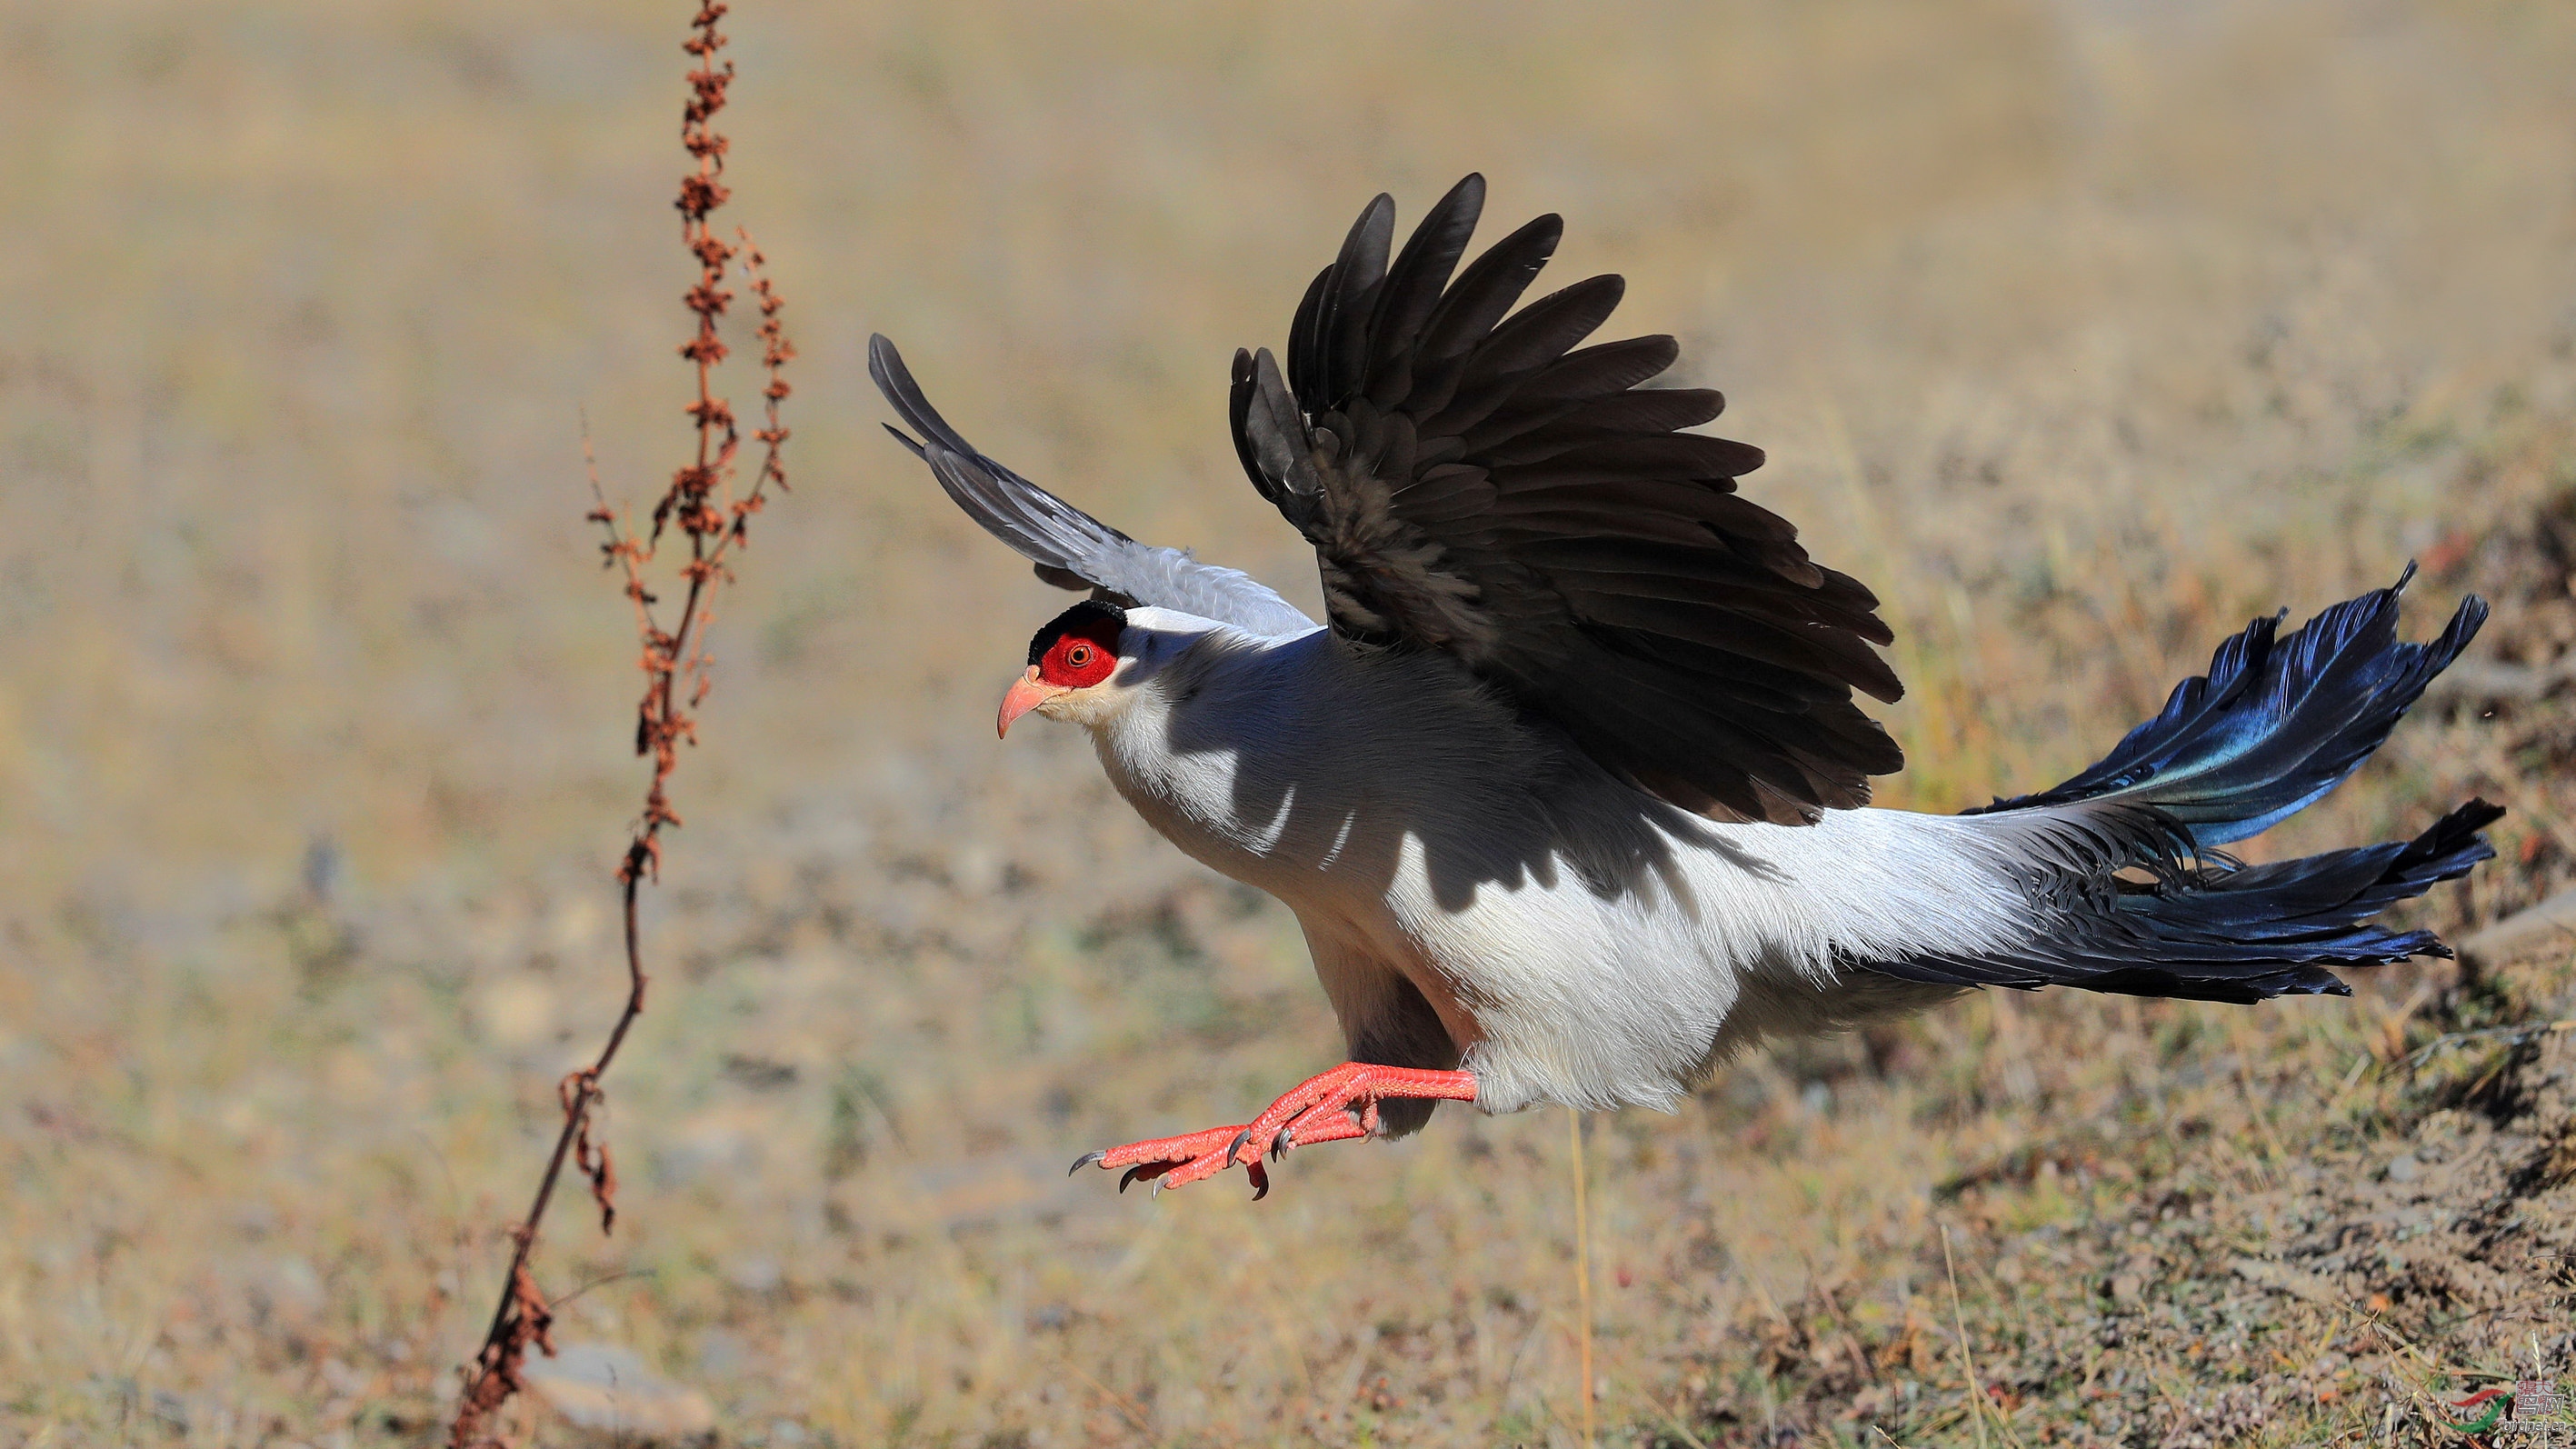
x=1148 y=1161
x=1338 y=1105
x=1325 y=1123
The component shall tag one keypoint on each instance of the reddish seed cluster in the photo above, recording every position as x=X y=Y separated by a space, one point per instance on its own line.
x=579 y=1090
x=701 y=503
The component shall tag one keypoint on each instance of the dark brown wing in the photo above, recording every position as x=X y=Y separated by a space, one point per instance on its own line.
x=1473 y=484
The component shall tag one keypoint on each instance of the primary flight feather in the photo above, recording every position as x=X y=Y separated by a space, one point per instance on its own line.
x=1568 y=790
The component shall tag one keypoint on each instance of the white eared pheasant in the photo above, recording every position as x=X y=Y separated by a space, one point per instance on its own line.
x=1568 y=791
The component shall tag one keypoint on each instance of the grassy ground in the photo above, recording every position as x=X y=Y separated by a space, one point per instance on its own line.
x=2083 y=331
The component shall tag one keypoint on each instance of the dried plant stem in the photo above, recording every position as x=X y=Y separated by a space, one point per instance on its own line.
x=1967 y=1357
x=700 y=502
x=1582 y=1271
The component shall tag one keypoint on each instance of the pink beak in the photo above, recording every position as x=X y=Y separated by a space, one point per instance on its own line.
x=1026 y=693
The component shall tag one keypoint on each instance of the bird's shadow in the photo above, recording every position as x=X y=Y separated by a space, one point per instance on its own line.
x=1489 y=797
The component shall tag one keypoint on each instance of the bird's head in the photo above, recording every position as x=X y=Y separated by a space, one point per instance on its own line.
x=1072 y=664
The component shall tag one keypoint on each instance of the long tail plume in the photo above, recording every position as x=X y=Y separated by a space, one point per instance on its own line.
x=2275 y=723
x=2120 y=862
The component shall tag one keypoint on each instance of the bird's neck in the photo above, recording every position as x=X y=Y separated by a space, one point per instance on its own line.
x=1195 y=745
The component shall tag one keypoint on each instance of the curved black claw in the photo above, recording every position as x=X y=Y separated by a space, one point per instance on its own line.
x=1138 y=1171
x=1260 y=1179
x=1088 y=1159
x=1236 y=1146
x=1285 y=1138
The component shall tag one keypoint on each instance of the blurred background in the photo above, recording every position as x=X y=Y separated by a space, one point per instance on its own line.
x=2083 y=330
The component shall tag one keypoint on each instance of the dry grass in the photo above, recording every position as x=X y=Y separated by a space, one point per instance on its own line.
x=2083 y=330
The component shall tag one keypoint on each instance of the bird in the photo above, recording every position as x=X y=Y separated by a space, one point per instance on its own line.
x=1570 y=789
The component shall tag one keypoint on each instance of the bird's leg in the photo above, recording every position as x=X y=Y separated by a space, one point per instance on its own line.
x=1148 y=1161
x=1325 y=1123
x=1342 y=1103
x=1334 y=1107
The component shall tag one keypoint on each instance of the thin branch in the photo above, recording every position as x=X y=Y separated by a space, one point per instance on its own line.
x=1582 y=1272
x=699 y=502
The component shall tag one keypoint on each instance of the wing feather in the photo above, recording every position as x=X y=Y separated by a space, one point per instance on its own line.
x=1487 y=290
x=1068 y=547
x=1610 y=367
x=1476 y=480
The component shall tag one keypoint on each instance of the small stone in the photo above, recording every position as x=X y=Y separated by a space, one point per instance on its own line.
x=976 y=869
x=721 y=1355
x=285 y=1294
x=605 y=1390
x=2404 y=1168
x=755 y=1274
x=517 y=1011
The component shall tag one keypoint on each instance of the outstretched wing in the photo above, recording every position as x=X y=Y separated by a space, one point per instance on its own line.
x=1473 y=485
x=1070 y=548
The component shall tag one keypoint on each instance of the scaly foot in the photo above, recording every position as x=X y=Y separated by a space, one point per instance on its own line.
x=1334 y=1107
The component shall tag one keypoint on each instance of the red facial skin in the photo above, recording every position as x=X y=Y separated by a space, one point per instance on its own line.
x=1082 y=657
x=1079 y=658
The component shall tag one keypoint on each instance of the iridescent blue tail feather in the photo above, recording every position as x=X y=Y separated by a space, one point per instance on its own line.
x=2275 y=723
x=2133 y=896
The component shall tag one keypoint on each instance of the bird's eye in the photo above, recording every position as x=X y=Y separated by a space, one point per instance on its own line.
x=1078 y=656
